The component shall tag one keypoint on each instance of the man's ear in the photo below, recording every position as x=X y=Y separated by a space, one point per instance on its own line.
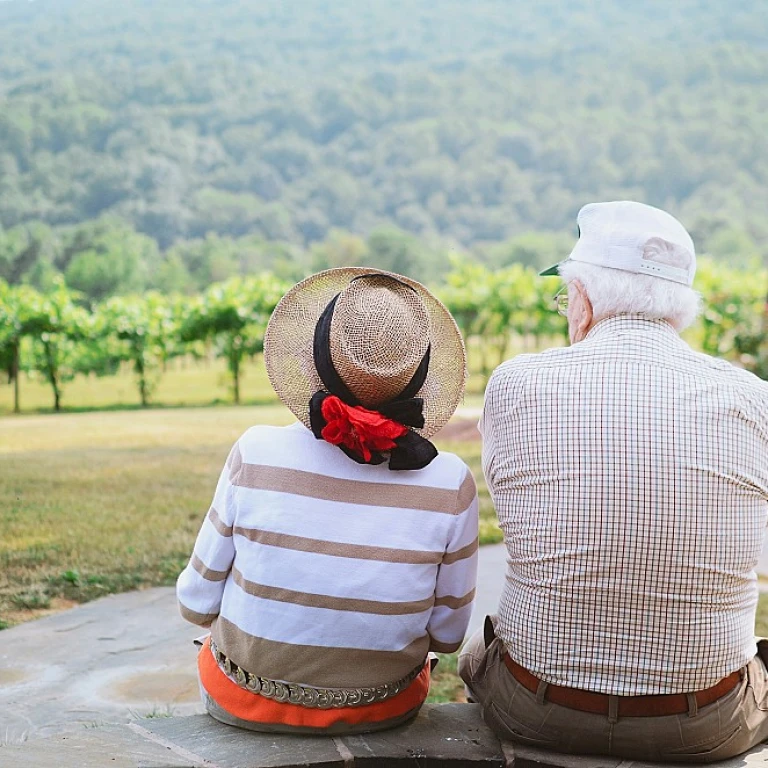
x=585 y=321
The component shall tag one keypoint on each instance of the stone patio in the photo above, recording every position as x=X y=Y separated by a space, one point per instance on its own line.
x=442 y=736
x=112 y=683
x=121 y=658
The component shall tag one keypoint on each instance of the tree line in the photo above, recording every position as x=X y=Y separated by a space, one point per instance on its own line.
x=58 y=336
x=469 y=123
x=107 y=257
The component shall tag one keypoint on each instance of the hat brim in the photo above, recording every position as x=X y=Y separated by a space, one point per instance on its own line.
x=288 y=343
x=554 y=269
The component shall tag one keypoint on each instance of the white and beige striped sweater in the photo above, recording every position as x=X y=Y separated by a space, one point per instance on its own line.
x=313 y=569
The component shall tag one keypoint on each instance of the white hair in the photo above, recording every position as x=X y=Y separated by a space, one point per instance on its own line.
x=617 y=292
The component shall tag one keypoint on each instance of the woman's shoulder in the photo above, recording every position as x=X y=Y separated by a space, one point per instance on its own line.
x=297 y=448
x=450 y=462
x=261 y=435
x=447 y=470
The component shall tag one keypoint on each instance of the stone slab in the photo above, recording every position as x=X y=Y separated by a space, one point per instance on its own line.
x=116 y=746
x=491 y=572
x=124 y=657
x=223 y=746
x=443 y=735
x=113 y=660
x=530 y=757
x=762 y=563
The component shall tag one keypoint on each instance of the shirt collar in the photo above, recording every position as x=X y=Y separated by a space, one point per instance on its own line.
x=619 y=324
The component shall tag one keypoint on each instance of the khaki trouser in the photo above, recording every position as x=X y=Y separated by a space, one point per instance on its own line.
x=731 y=725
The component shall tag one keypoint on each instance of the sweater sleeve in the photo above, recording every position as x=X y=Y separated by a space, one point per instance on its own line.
x=200 y=586
x=457 y=575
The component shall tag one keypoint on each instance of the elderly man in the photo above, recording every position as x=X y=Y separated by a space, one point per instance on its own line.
x=630 y=477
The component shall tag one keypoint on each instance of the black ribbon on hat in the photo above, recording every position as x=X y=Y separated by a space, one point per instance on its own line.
x=412 y=451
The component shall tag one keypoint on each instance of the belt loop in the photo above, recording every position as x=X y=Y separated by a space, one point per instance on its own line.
x=613 y=709
x=541 y=692
x=693 y=705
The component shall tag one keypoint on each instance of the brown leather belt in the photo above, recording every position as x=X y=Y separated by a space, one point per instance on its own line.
x=628 y=706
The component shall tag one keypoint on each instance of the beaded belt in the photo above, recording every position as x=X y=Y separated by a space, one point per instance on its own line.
x=307 y=695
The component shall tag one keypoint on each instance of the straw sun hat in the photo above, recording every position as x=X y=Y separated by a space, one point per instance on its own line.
x=379 y=339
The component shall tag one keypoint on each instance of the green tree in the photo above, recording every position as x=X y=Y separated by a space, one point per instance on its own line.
x=107 y=257
x=147 y=332
x=751 y=339
x=511 y=308
x=208 y=260
x=179 y=140
x=490 y=308
x=732 y=307
x=466 y=292
x=234 y=316
x=26 y=253
x=56 y=324
x=397 y=251
x=734 y=247
x=532 y=249
x=20 y=317
x=339 y=249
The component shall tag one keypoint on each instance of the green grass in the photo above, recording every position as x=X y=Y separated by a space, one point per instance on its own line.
x=95 y=503
x=490 y=533
x=445 y=684
x=185 y=382
x=761 y=621
x=102 y=502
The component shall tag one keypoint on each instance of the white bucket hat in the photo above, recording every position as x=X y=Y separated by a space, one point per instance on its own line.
x=633 y=237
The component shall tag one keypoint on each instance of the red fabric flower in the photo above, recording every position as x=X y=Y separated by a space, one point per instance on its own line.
x=357 y=428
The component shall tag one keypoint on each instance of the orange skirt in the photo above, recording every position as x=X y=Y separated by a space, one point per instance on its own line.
x=255 y=708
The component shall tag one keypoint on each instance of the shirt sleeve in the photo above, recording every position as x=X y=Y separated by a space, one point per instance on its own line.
x=457 y=575
x=200 y=586
x=504 y=392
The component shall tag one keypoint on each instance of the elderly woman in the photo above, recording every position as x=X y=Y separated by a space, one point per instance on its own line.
x=339 y=551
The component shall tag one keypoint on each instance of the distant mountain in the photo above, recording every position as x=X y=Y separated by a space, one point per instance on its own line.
x=472 y=122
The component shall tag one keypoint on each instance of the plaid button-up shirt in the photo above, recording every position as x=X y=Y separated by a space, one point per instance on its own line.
x=630 y=477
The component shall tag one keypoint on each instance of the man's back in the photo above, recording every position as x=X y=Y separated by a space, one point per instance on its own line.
x=630 y=476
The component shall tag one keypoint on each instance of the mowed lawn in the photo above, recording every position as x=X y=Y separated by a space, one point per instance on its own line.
x=184 y=382
x=101 y=502
x=107 y=501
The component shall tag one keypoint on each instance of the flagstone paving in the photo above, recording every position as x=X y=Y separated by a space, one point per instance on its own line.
x=122 y=658
x=70 y=680
x=442 y=736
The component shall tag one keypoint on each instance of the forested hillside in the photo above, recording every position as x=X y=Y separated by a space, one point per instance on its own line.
x=465 y=123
